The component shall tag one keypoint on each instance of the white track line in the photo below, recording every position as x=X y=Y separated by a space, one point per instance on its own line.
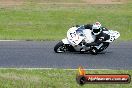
x=51 y=69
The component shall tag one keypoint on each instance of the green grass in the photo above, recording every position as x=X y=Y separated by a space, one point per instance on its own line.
x=55 y=78
x=33 y=21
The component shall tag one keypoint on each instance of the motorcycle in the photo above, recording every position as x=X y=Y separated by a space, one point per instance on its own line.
x=76 y=40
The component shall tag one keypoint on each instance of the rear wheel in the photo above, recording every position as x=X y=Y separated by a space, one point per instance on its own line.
x=94 y=51
x=103 y=47
x=60 y=47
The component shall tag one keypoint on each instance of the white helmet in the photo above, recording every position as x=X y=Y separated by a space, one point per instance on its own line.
x=96 y=28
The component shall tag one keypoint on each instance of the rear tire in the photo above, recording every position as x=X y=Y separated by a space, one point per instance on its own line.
x=103 y=47
x=94 y=51
x=60 y=47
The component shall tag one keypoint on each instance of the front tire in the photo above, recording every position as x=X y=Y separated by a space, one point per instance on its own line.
x=60 y=47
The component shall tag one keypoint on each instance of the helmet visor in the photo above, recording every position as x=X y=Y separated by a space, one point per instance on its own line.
x=96 y=30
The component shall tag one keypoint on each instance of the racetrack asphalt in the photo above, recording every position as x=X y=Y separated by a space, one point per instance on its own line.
x=40 y=54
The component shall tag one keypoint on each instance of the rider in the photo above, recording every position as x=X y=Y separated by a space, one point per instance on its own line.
x=97 y=30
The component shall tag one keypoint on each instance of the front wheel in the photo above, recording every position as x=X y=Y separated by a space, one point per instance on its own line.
x=60 y=47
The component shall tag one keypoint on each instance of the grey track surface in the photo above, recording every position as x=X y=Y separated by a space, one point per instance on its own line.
x=32 y=54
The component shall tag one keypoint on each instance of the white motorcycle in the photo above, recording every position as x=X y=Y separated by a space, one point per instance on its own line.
x=76 y=40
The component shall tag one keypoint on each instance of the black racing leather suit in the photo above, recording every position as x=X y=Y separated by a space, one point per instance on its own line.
x=99 y=38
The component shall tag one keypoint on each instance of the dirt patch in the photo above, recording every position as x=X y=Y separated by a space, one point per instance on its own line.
x=105 y=1
x=21 y=2
x=11 y=2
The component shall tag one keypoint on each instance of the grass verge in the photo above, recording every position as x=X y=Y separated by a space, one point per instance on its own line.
x=54 y=78
x=34 y=21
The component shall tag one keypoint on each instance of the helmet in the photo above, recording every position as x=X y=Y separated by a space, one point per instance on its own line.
x=96 y=28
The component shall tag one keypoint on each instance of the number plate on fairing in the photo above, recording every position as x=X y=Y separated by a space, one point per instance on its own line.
x=73 y=36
